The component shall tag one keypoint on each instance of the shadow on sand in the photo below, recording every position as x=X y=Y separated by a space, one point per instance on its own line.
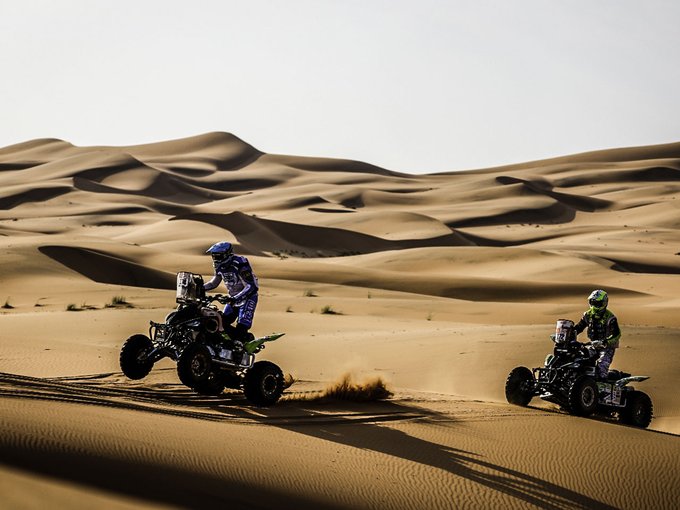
x=362 y=426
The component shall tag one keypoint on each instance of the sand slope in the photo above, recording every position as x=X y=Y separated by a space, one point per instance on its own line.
x=442 y=284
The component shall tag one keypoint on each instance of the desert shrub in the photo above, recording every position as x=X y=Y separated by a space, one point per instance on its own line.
x=119 y=302
x=328 y=310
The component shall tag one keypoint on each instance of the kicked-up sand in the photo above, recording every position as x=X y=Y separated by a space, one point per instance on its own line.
x=435 y=285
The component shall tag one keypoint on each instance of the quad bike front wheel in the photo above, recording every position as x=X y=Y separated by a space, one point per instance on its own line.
x=583 y=396
x=133 y=357
x=519 y=386
x=263 y=384
x=638 y=411
x=194 y=367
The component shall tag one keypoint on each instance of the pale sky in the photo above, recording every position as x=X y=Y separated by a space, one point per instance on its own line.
x=415 y=86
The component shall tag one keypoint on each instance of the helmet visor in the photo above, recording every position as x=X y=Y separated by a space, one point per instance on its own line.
x=219 y=257
x=596 y=303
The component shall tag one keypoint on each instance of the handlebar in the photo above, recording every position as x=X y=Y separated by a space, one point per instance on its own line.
x=221 y=298
x=206 y=300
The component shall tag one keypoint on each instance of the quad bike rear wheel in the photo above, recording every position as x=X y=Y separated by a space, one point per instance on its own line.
x=638 y=411
x=583 y=396
x=263 y=384
x=194 y=367
x=519 y=386
x=133 y=360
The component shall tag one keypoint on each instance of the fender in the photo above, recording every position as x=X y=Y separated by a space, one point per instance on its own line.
x=635 y=378
x=256 y=345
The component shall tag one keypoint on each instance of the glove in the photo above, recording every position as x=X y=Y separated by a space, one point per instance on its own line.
x=598 y=345
x=225 y=300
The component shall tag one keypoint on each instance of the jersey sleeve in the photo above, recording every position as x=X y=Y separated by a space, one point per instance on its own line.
x=582 y=324
x=213 y=283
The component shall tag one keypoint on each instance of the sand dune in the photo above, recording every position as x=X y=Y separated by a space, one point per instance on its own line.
x=440 y=284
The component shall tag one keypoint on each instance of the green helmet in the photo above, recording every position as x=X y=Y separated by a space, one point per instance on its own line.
x=598 y=299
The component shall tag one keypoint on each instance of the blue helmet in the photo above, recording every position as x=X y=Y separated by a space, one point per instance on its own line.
x=221 y=252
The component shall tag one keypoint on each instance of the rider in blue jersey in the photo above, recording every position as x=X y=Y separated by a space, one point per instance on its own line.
x=241 y=285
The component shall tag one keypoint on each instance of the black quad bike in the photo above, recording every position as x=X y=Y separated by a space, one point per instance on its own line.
x=208 y=359
x=569 y=380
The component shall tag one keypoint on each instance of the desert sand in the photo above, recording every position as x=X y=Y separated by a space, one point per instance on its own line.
x=440 y=284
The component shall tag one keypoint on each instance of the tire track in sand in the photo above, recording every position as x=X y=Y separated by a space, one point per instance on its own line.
x=113 y=390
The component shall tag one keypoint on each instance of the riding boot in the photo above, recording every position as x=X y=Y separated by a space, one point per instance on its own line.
x=242 y=333
x=231 y=332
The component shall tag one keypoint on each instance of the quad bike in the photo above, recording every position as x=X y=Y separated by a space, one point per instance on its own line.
x=208 y=359
x=568 y=379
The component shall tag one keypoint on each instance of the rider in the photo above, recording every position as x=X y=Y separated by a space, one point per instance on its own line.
x=241 y=285
x=603 y=330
